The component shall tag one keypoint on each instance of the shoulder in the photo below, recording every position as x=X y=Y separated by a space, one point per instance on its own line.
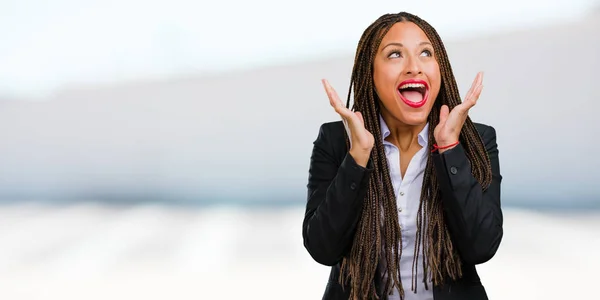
x=332 y=128
x=331 y=131
x=331 y=138
x=487 y=132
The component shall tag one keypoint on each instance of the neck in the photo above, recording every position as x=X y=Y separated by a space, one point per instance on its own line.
x=402 y=135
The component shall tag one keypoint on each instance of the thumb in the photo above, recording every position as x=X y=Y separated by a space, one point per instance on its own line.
x=360 y=117
x=444 y=111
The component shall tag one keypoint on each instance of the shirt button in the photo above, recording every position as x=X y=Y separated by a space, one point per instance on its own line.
x=401 y=193
x=453 y=170
x=353 y=186
x=399 y=209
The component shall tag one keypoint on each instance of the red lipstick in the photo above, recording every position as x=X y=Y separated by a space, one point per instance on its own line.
x=414 y=86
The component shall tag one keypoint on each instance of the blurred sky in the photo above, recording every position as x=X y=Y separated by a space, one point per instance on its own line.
x=47 y=44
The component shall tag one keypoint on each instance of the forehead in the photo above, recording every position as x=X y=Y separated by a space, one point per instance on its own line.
x=406 y=33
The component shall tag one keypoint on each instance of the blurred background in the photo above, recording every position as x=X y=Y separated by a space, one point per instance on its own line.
x=160 y=149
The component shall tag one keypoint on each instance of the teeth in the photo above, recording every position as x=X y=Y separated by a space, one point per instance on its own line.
x=412 y=85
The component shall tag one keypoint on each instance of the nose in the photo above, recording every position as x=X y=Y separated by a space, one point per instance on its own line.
x=412 y=66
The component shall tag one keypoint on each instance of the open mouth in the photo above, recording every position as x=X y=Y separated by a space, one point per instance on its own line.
x=413 y=92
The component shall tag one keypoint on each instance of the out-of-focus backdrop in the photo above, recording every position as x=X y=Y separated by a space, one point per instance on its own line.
x=160 y=149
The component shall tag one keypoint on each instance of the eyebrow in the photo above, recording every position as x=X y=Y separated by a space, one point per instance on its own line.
x=400 y=44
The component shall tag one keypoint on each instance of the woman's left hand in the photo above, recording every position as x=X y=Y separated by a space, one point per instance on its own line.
x=451 y=122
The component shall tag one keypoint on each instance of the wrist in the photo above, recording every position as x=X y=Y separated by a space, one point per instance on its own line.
x=444 y=146
x=361 y=157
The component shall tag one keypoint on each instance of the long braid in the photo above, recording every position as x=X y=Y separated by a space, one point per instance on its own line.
x=374 y=234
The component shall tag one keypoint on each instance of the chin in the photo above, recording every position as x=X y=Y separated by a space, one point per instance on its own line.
x=410 y=115
x=414 y=119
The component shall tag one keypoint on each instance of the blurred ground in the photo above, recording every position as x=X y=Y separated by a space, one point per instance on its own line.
x=90 y=251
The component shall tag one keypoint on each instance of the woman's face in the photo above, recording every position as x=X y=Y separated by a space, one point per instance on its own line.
x=406 y=74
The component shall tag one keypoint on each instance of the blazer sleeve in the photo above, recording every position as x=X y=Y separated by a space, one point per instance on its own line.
x=474 y=216
x=335 y=197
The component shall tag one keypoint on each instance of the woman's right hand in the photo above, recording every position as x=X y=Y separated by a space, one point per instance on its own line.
x=361 y=140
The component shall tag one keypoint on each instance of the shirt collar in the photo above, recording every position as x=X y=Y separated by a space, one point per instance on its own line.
x=385 y=132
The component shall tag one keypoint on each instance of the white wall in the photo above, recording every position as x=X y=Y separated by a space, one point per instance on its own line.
x=194 y=136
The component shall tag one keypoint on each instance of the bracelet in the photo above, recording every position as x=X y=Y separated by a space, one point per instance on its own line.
x=436 y=147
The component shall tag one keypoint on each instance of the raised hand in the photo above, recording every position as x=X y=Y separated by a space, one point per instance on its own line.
x=361 y=140
x=451 y=122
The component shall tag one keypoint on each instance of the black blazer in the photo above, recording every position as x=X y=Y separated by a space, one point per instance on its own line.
x=337 y=186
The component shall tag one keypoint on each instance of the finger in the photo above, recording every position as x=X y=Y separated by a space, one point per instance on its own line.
x=473 y=85
x=332 y=94
x=329 y=91
x=476 y=95
x=444 y=111
x=472 y=100
x=479 y=88
x=360 y=117
x=335 y=101
x=477 y=82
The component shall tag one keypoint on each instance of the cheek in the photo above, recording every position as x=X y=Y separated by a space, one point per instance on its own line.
x=434 y=76
x=384 y=79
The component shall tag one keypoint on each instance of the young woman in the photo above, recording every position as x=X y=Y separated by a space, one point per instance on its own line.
x=404 y=192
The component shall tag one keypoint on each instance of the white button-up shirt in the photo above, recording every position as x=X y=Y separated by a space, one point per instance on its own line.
x=408 y=194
